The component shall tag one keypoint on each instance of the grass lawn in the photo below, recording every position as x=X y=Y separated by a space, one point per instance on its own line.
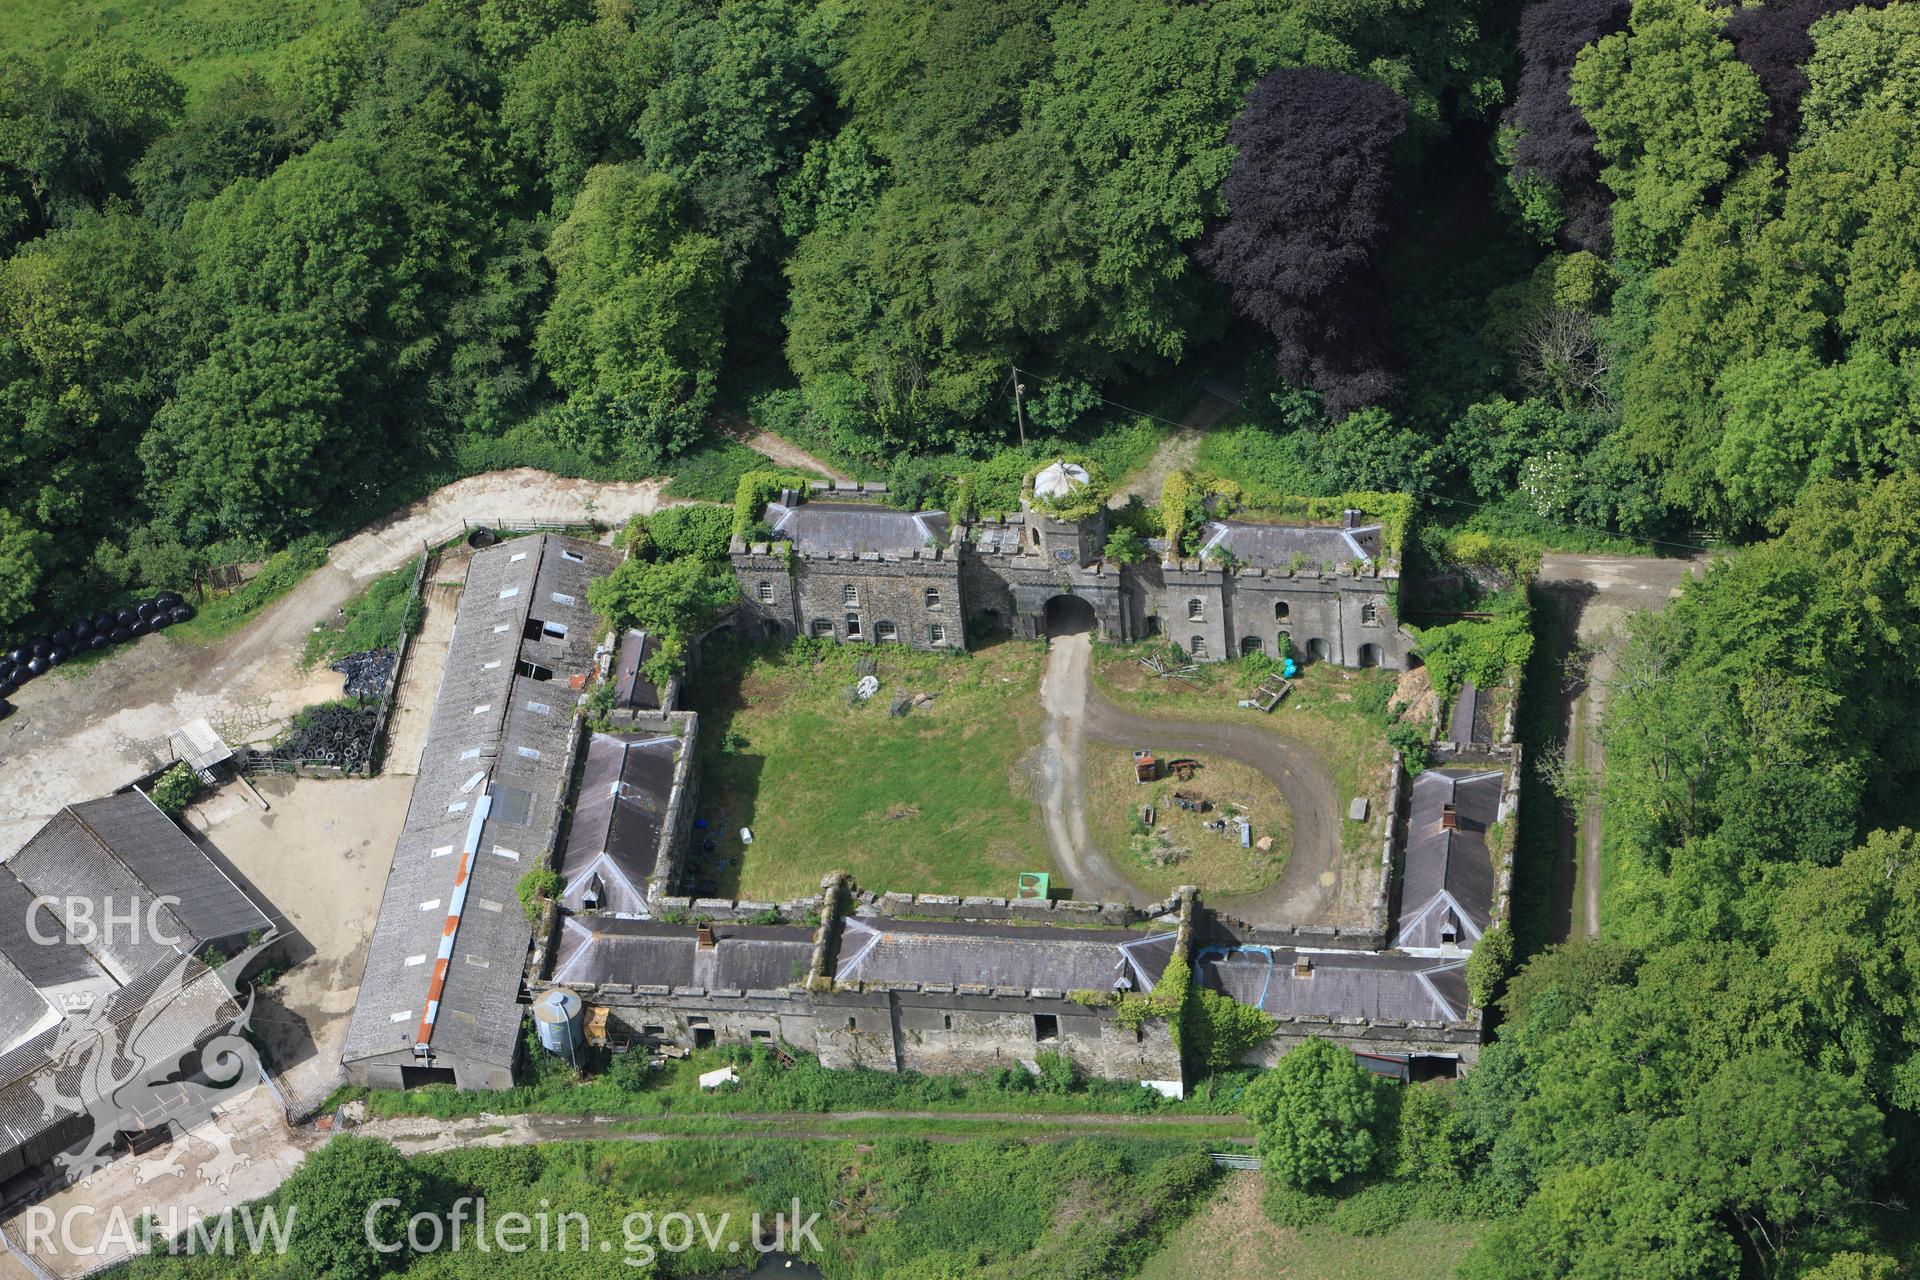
x=935 y=801
x=200 y=42
x=1340 y=714
x=1231 y=1236
x=1178 y=849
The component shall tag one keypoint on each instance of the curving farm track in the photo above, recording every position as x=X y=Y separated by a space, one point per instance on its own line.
x=1075 y=713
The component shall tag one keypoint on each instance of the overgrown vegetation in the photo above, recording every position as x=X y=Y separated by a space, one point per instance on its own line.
x=374 y=619
x=175 y=789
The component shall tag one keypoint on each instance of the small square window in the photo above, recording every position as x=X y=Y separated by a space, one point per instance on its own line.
x=765 y=592
x=1046 y=1028
x=850 y=596
x=936 y=633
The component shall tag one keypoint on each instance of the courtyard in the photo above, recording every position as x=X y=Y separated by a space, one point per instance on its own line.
x=1018 y=757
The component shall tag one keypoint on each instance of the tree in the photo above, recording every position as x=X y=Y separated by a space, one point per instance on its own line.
x=1316 y=1112
x=1307 y=202
x=1610 y=1219
x=1489 y=964
x=1781 y=1147
x=1862 y=60
x=1671 y=109
x=1775 y=40
x=670 y=598
x=22 y=550
x=261 y=436
x=637 y=302
x=1551 y=144
x=332 y=1195
x=575 y=100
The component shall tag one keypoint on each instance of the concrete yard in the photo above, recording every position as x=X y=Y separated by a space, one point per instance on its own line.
x=320 y=858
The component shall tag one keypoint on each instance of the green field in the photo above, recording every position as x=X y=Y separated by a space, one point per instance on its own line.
x=935 y=801
x=200 y=42
x=1231 y=1236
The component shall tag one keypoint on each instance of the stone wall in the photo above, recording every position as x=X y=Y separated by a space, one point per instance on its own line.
x=1456 y=1039
x=1325 y=613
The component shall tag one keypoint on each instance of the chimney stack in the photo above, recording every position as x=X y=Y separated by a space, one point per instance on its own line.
x=1350 y=518
x=1449 y=817
x=1302 y=966
x=706 y=938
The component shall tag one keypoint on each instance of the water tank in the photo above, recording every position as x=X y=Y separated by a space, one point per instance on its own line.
x=559 y=1017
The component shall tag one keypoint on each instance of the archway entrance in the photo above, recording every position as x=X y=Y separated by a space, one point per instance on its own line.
x=1369 y=655
x=1069 y=616
x=1316 y=650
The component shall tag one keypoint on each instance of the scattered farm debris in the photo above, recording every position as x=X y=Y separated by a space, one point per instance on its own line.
x=367 y=673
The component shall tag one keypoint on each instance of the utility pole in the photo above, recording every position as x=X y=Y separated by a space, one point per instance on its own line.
x=1020 y=404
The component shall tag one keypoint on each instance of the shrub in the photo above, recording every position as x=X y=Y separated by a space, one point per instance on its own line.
x=1056 y=1073
x=757 y=489
x=692 y=530
x=542 y=882
x=333 y=1194
x=1489 y=964
x=1316 y=1112
x=1219 y=1030
x=1179 y=507
x=175 y=789
x=1411 y=743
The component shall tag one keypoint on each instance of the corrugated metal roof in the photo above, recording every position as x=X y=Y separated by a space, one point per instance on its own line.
x=488 y=736
x=133 y=829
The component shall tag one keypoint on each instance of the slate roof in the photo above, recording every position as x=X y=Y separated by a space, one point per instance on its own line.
x=744 y=957
x=873 y=949
x=632 y=691
x=1274 y=546
x=619 y=816
x=121 y=853
x=856 y=528
x=1351 y=984
x=493 y=774
x=1447 y=879
x=1463 y=725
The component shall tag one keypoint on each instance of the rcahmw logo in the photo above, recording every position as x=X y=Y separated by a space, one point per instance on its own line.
x=252 y=1229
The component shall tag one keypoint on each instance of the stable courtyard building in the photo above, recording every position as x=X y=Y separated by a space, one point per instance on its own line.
x=845 y=565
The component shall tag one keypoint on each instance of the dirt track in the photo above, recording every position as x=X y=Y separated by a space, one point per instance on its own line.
x=1305 y=893
x=74 y=739
x=1596 y=594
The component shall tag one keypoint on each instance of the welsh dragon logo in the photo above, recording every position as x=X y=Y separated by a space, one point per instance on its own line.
x=127 y=1076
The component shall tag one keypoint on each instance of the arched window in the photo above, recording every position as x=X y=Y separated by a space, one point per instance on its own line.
x=822 y=626
x=1195 y=610
x=765 y=592
x=1370 y=614
x=1153 y=624
x=850 y=596
x=1249 y=645
x=1197 y=646
x=1281 y=610
x=933 y=597
x=885 y=631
